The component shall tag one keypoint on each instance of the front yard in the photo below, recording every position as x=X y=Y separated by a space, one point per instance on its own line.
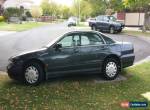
x=20 y=27
x=83 y=94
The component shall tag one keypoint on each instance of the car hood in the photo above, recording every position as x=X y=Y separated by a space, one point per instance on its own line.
x=116 y=23
x=36 y=51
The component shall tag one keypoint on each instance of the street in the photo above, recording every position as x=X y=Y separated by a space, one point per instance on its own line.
x=16 y=43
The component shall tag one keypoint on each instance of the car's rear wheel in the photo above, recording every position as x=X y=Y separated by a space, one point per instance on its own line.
x=33 y=74
x=111 y=69
x=112 y=30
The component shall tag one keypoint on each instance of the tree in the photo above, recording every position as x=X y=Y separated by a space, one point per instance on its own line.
x=12 y=12
x=50 y=8
x=65 y=12
x=86 y=9
x=97 y=7
x=45 y=7
x=36 y=11
x=141 y=6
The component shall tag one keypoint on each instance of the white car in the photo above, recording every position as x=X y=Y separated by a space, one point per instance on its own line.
x=72 y=21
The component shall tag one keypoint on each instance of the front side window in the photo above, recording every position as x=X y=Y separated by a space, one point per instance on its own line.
x=106 y=18
x=66 y=41
x=99 y=18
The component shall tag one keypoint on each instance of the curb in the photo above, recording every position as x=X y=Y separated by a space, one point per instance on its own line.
x=147 y=59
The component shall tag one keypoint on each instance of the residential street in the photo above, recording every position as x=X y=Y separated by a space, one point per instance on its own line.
x=13 y=44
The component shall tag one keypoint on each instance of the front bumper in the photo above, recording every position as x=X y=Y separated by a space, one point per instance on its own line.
x=15 y=70
x=118 y=28
x=127 y=60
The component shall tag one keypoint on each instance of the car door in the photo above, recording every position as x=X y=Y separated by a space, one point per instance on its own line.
x=92 y=51
x=106 y=23
x=62 y=60
x=99 y=22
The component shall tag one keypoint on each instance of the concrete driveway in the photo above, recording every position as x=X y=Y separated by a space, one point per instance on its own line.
x=13 y=44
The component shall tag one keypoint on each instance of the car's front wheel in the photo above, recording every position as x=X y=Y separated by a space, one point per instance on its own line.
x=33 y=74
x=111 y=69
x=112 y=30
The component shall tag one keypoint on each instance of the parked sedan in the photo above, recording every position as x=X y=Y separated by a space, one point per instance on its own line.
x=72 y=21
x=72 y=52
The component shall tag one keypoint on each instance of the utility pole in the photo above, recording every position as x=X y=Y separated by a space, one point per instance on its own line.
x=79 y=11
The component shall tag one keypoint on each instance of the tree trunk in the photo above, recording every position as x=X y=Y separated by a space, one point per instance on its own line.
x=146 y=25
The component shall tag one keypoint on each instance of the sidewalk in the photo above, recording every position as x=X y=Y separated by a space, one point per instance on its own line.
x=3 y=33
x=134 y=29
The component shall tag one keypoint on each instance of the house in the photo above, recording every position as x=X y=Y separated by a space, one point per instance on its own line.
x=1 y=6
x=26 y=4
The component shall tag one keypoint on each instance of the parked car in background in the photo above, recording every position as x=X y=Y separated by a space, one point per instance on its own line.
x=72 y=21
x=106 y=23
x=72 y=52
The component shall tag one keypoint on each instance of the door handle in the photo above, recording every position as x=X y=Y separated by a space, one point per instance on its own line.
x=76 y=50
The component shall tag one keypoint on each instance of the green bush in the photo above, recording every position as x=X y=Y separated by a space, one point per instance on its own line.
x=12 y=12
x=2 y=18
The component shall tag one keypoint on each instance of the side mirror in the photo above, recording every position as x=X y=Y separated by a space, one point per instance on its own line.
x=58 y=46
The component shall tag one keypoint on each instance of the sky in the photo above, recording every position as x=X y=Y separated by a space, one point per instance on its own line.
x=63 y=2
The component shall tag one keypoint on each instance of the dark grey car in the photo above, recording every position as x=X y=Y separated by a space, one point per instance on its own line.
x=106 y=23
x=72 y=52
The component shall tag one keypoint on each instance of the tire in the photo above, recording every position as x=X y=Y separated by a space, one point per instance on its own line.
x=119 y=30
x=94 y=28
x=33 y=74
x=110 y=65
x=112 y=30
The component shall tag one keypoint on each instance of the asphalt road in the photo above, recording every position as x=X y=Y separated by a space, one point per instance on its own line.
x=13 y=44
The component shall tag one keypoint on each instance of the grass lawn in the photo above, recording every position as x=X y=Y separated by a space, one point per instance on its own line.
x=136 y=33
x=74 y=94
x=20 y=27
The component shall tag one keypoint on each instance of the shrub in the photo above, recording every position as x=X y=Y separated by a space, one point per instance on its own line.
x=36 y=11
x=12 y=12
x=2 y=18
x=28 y=14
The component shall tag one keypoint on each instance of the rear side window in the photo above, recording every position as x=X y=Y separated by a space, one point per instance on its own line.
x=108 y=40
x=91 y=39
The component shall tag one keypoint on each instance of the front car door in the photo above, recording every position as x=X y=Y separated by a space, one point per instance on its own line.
x=99 y=22
x=63 y=59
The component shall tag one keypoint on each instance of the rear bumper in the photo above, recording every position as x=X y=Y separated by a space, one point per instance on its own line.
x=127 y=60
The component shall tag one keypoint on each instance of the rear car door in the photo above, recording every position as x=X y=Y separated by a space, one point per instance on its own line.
x=92 y=51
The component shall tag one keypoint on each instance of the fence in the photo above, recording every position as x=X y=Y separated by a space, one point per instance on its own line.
x=132 y=19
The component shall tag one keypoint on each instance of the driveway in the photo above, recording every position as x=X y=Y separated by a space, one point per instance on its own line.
x=13 y=44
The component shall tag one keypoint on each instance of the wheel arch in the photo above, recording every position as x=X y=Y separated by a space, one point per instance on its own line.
x=36 y=61
x=113 y=56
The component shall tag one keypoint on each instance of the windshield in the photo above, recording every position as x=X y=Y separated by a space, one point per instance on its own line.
x=112 y=18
